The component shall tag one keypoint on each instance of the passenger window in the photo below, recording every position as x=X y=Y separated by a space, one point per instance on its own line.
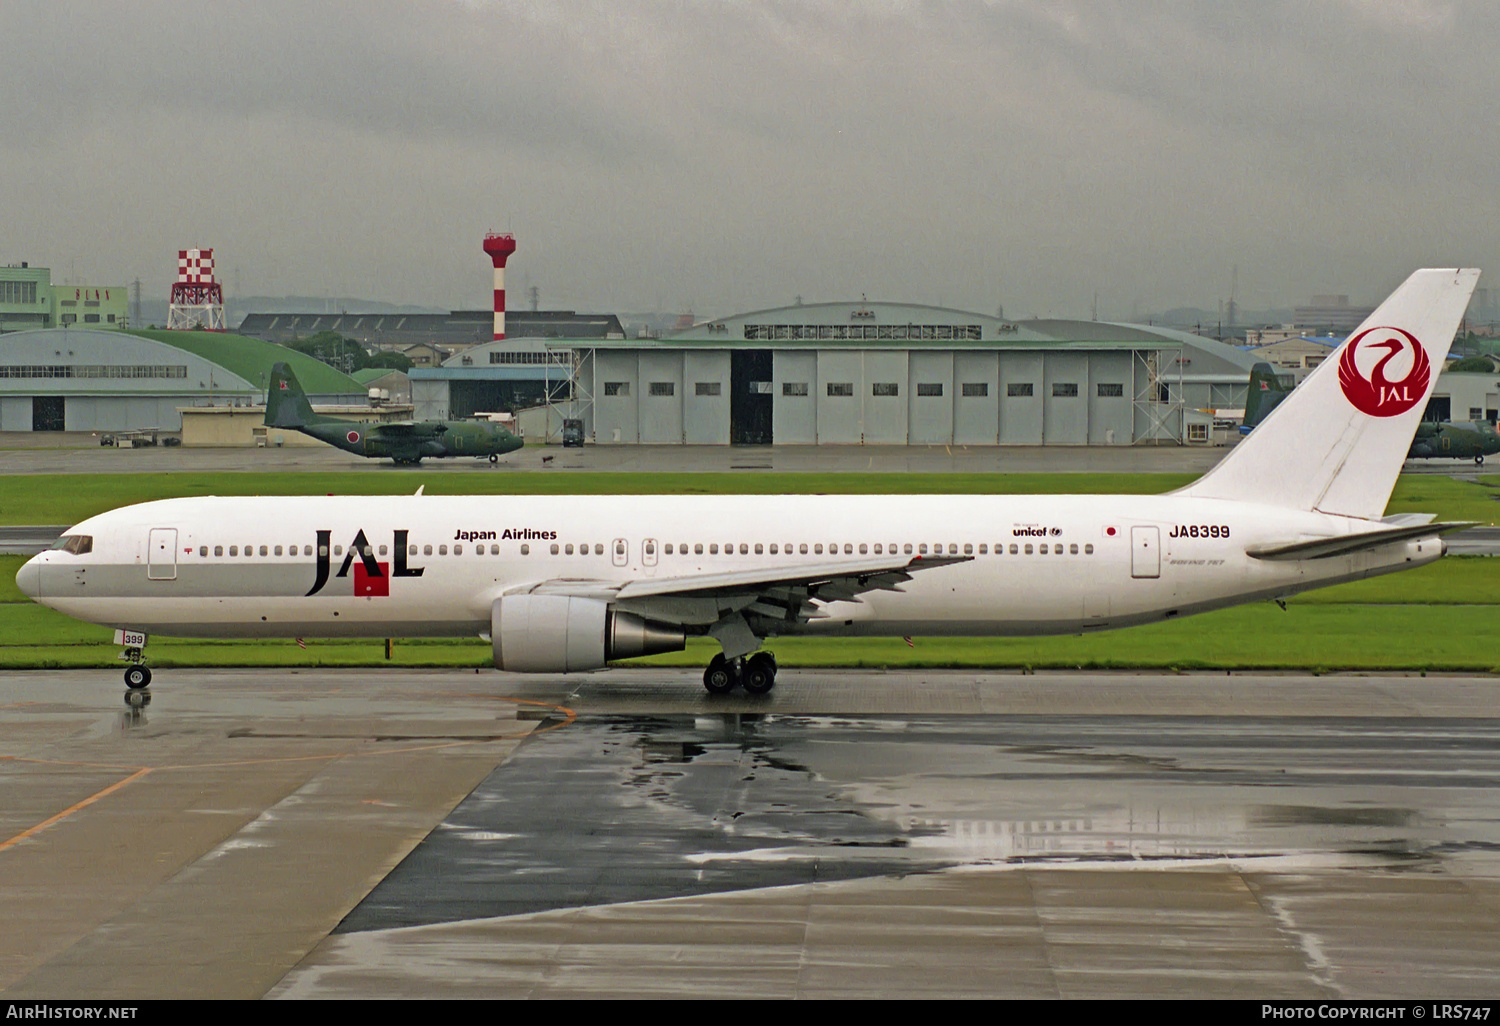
x=906 y=548
x=458 y=550
x=984 y=550
x=698 y=549
x=802 y=548
x=1088 y=550
x=744 y=549
x=554 y=548
x=234 y=550
x=203 y=550
x=338 y=550
x=218 y=550
x=1014 y=550
x=277 y=551
x=667 y=549
x=1042 y=548
x=773 y=548
x=1073 y=549
x=863 y=548
x=443 y=550
x=426 y=550
x=307 y=550
x=525 y=550
x=968 y=549
x=568 y=548
x=1028 y=548
x=598 y=548
x=411 y=550
x=818 y=549
x=877 y=548
x=758 y=549
x=494 y=550
x=922 y=549
x=713 y=548
x=848 y=549
x=382 y=551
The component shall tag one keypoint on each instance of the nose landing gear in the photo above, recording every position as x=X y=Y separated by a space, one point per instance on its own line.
x=757 y=674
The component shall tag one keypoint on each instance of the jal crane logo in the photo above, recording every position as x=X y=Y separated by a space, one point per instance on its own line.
x=1378 y=393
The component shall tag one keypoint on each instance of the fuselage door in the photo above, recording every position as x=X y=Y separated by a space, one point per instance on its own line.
x=619 y=551
x=1145 y=551
x=161 y=554
x=648 y=555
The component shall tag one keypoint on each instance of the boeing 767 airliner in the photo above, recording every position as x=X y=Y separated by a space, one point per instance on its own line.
x=569 y=583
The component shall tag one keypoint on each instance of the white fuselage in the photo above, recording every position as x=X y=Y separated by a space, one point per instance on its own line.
x=1036 y=564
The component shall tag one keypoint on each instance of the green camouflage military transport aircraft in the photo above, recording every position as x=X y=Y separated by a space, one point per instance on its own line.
x=407 y=442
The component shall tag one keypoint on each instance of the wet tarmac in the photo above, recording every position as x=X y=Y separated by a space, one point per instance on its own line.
x=856 y=833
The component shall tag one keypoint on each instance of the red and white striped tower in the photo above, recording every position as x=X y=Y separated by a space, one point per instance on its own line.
x=197 y=298
x=499 y=247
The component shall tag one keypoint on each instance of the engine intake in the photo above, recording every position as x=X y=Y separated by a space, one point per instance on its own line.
x=564 y=634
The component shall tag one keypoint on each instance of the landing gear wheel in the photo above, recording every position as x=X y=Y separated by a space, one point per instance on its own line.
x=760 y=674
x=137 y=677
x=1479 y=460
x=720 y=677
x=494 y=457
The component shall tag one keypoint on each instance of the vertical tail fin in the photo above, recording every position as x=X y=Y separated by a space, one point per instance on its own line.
x=1265 y=395
x=286 y=403
x=1337 y=443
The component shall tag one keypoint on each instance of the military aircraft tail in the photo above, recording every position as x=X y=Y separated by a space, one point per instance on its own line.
x=1337 y=443
x=286 y=403
x=1265 y=395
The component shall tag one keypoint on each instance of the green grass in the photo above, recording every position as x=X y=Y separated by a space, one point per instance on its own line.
x=69 y=498
x=1315 y=637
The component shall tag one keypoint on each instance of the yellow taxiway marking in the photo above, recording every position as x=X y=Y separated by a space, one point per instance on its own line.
x=75 y=807
x=569 y=717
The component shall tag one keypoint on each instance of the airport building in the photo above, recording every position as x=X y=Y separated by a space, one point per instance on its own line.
x=29 y=301
x=891 y=374
x=86 y=379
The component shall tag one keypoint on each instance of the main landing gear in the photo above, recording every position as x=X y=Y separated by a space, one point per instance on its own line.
x=137 y=674
x=757 y=674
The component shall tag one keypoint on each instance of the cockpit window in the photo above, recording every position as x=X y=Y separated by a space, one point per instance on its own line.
x=77 y=544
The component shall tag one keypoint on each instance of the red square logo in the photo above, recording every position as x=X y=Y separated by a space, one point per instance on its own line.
x=365 y=585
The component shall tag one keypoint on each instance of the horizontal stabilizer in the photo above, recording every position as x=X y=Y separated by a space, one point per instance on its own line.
x=1323 y=548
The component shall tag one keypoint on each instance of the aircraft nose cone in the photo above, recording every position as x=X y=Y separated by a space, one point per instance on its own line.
x=29 y=579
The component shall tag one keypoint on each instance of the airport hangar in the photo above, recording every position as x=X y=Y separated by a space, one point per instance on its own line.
x=86 y=379
x=863 y=373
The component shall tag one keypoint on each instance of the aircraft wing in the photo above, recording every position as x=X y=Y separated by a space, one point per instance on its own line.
x=1323 y=548
x=791 y=594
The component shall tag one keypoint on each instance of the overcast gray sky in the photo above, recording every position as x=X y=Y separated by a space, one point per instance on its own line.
x=729 y=156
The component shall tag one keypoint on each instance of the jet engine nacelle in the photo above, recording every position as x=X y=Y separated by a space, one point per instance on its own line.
x=565 y=634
